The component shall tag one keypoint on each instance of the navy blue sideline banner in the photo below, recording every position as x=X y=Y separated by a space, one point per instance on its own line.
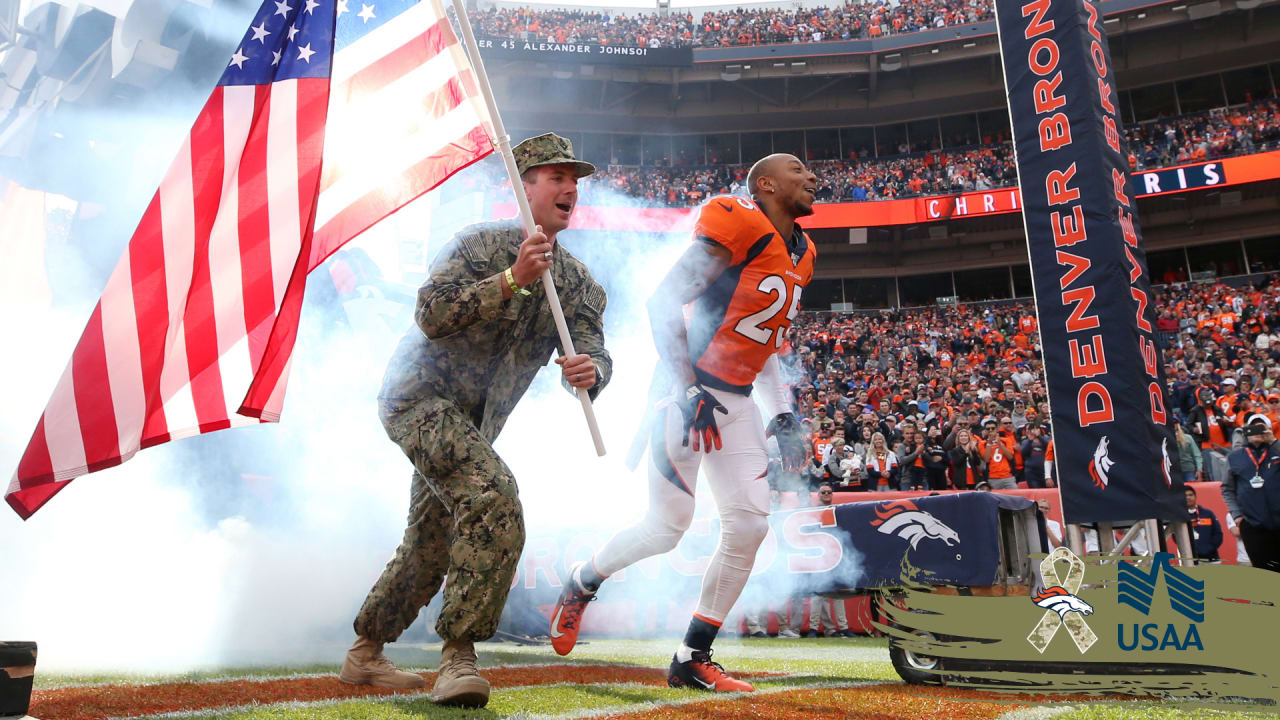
x=1113 y=443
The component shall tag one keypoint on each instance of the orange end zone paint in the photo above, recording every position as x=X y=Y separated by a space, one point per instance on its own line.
x=105 y=701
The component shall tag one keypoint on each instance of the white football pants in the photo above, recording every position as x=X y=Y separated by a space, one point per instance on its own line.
x=738 y=483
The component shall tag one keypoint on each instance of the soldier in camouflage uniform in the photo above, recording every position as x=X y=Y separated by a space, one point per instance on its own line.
x=483 y=331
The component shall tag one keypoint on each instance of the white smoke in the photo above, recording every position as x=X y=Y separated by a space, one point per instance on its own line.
x=257 y=545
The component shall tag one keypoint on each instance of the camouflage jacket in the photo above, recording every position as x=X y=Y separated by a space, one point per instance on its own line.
x=479 y=350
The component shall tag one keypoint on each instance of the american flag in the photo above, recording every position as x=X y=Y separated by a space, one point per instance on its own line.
x=326 y=120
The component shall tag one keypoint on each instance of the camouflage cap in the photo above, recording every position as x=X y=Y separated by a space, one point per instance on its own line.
x=548 y=149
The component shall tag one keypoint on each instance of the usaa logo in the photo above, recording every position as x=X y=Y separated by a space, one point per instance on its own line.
x=1137 y=589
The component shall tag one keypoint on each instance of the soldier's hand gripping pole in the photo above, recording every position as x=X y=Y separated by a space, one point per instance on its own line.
x=503 y=143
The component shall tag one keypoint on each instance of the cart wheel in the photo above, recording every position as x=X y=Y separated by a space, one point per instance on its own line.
x=914 y=668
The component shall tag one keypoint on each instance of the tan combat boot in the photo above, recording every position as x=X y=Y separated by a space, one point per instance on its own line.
x=366 y=665
x=457 y=683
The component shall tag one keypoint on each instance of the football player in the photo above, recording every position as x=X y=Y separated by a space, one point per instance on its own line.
x=742 y=277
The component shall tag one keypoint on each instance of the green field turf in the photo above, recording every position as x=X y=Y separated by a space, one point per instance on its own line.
x=820 y=672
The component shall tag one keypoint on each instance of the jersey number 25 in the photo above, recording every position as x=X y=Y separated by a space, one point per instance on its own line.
x=750 y=326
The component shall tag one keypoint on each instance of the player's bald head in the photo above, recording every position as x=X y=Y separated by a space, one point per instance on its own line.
x=781 y=183
x=767 y=166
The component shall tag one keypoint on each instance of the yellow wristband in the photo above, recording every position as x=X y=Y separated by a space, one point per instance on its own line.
x=511 y=283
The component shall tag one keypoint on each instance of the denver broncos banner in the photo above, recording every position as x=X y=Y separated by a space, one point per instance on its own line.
x=951 y=539
x=1112 y=440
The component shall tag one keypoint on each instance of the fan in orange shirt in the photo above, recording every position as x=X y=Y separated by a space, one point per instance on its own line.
x=1272 y=410
x=1000 y=454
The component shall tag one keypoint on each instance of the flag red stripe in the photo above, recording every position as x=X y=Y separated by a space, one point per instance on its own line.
x=255 y=241
x=93 y=392
x=392 y=66
x=198 y=319
x=438 y=104
x=27 y=502
x=377 y=204
x=151 y=308
x=313 y=97
x=36 y=465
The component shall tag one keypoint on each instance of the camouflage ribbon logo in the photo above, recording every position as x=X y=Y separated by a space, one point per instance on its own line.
x=1062 y=607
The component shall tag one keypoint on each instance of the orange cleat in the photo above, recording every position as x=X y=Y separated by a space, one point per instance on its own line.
x=567 y=617
x=700 y=673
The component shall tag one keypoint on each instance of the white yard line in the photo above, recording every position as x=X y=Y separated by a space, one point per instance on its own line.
x=695 y=697
x=1037 y=713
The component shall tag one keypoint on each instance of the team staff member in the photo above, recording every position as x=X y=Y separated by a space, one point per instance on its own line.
x=743 y=276
x=1252 y=493
x=1206 y=533
x=449 y=388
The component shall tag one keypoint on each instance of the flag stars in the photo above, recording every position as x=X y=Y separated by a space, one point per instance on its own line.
x=366 y=12
x=305 y=52
x=238 y=59
x=283 y=8
x=311 y=5
x=342 y=7
x=260 y=32
x=293 y=30
x=275 y=57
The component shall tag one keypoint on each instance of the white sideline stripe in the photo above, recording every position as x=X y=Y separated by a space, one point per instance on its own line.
x=1038 y=713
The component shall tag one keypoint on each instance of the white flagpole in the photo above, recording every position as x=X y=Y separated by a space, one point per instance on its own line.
x=503 y=143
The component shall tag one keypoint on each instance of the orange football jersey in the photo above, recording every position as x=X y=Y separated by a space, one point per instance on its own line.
x=743 y=317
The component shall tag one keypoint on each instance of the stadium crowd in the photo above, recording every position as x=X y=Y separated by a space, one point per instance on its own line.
x=954 y=397
x=1224 y=132
x=1249 y=128
x=929 y=173
x=726 y=28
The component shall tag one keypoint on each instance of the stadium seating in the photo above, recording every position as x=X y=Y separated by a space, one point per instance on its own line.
x=1225 y=132
x=940 y=366
x=728 y=28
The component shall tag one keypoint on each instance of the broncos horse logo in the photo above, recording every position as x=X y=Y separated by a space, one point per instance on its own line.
x=1057 y=599
x=1166 y=464
x=1101 y=463
x=904 y=519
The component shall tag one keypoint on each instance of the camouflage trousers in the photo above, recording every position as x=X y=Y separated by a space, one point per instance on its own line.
x=465 y=521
